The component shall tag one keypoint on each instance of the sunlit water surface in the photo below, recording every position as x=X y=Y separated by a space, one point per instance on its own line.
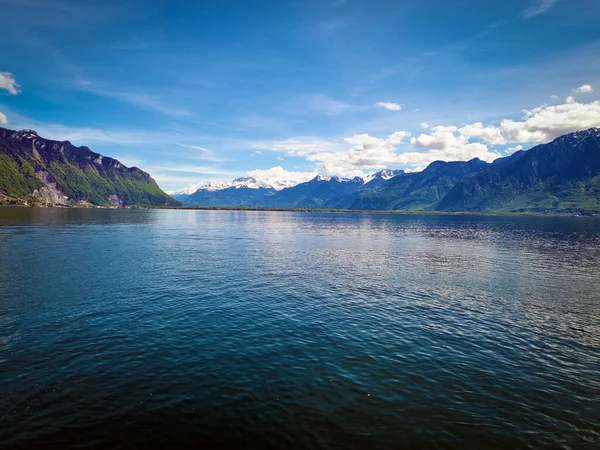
x=230 y=329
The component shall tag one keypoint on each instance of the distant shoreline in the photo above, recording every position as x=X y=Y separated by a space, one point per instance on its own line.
x=374 y=211
x=323 y=210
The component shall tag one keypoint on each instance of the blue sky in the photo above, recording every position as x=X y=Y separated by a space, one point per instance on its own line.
x=198 y=90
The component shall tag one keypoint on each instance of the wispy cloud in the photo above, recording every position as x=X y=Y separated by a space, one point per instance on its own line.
x=192 y=169
x=297 y=146
x=487 y=30
x=196 y=147
x=539 y=7
x=205 y=154
x=318 y=104
x=143 y=101
x=8 y=83
x=95 y=135
x=3 y=119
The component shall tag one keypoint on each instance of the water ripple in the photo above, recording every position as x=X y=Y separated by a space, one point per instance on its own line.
x=123 y=329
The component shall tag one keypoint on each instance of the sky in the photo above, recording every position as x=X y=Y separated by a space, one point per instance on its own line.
x=192 y=91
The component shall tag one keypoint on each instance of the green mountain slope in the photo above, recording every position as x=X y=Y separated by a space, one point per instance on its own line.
x=561 y=176
x=417 y=191
x=35 y=170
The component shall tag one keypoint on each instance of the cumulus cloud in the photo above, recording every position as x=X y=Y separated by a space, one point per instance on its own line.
x=424 y=125
x=547 y=122
x=8 y=82
x=451 y=143
x=584 y=89
x=570 y=99
x=489 y=135
x=278 y=176
x=443 y=143
x=391 y=106
x=439 y=138
x=372 y=153
x=369 y=152
x=3 y=118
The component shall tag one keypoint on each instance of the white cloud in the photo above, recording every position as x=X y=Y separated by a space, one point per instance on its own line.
x=391 y=106
x=3 y=119
x=8 y=82
x=370 y=152
x=424 y=125
x=554 y=97
x=440 y=137
x=489 y=135
x=278 y=177
x=539 y=7
x=584 y=89
x=544 y=123
x=570 y=99
x=450 y=143
x=373 y=153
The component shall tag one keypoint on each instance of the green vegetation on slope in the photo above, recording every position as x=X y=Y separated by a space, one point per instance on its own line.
x=80 y=174
x=17 y=177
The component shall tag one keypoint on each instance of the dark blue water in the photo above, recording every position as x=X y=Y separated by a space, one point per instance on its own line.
x=200 y=329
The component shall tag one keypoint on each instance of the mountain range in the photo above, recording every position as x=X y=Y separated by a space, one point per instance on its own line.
x=562 y=176
x=38 y=171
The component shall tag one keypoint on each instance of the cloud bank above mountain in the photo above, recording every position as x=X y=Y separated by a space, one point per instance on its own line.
x=443 y=142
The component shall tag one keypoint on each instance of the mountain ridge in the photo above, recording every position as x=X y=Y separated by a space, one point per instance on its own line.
x=562 y=176
x=35 y=170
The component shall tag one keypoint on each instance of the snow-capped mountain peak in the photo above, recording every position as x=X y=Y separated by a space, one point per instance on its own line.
x=278 y=183
x=384 y=175
x=207 y=186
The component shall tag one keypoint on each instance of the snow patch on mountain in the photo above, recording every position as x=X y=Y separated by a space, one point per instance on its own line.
x=278 y=183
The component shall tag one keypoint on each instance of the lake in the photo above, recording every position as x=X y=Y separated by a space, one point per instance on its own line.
x=232 y=329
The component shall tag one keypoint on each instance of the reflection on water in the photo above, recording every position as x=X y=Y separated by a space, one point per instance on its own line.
x=273 y=329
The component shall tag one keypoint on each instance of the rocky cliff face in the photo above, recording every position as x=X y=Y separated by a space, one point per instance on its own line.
x=41 y=171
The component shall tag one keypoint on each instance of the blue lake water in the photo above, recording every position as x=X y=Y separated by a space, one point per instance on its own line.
x=229 y=329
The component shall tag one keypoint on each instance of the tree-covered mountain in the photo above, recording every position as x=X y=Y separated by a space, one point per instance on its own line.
x=320 y=192
x=228 y=197
x=561 y=176
x=34 y=170
x=418 y=190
